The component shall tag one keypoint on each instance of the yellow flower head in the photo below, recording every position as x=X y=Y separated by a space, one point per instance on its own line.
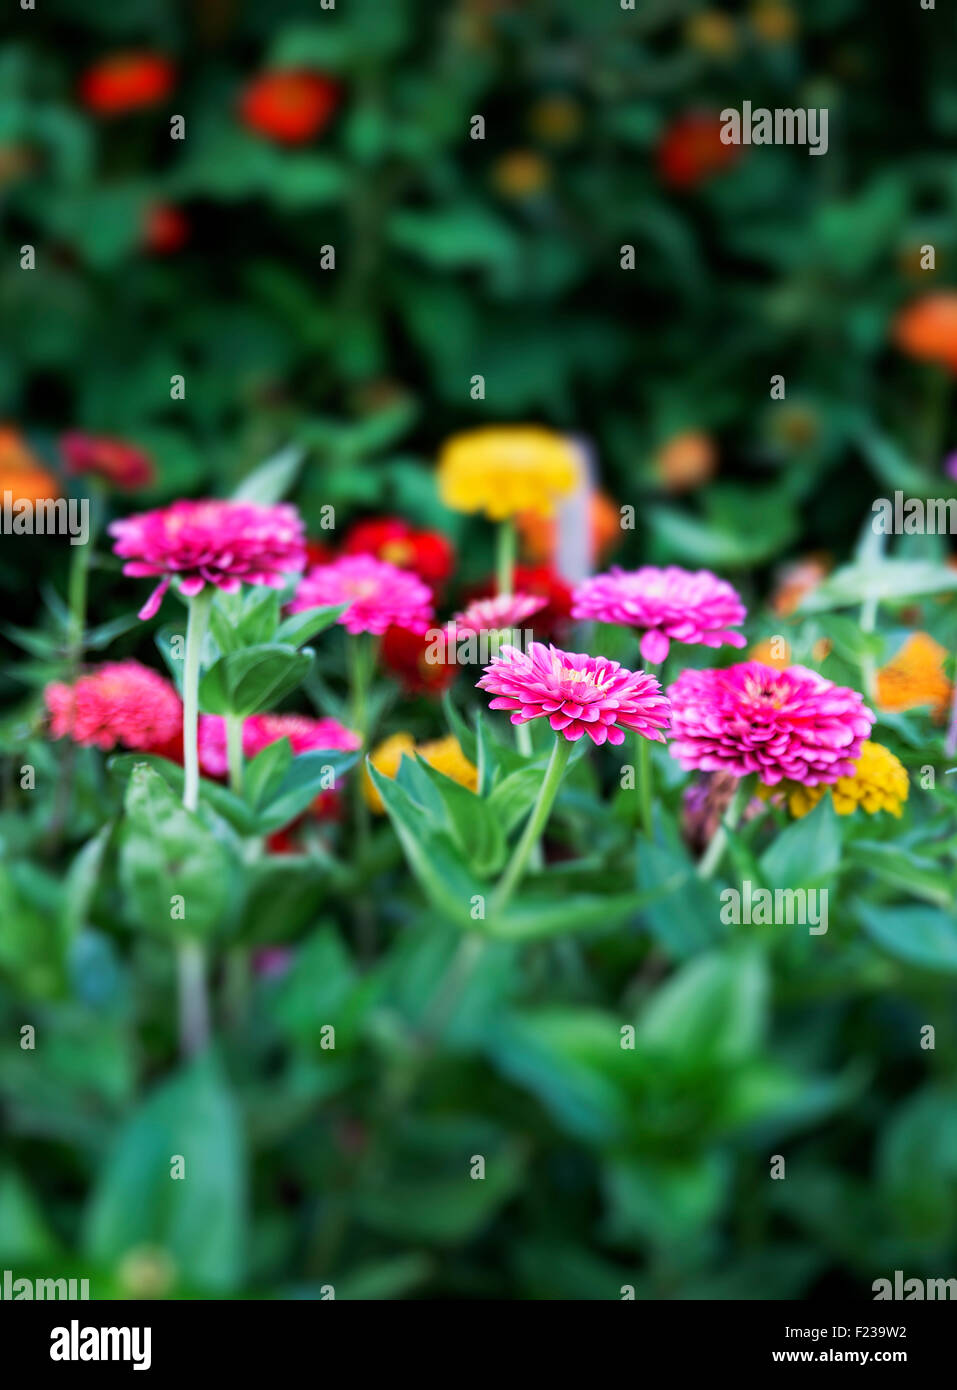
x=773 y=21
x=521 y=174
x=915 y=676
x=502 y=470
x=712 y=32
x=444 y=754
x=880 y=783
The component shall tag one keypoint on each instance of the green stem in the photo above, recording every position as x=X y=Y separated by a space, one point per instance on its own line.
x=561 y=751
x=361 y=658
x=712 y=856
x=234 y=752
x=199 y=606
x=644 y=773
x=193 y=1000
x=505 y=557
x=76 y=597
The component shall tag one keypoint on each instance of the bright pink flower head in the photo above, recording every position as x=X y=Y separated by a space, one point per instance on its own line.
x=120 y=702
x=379 y=594
x=225 y=544
x=506 y=611
x=671 y=604
x=260 y=730
x=576 y=693
x=752 y=718
x=113 y=459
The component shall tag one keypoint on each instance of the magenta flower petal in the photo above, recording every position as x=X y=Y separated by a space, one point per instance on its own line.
x=260 y=730
x=671 y=605
x=121 y=702
x=379 y=594
x=655 y=646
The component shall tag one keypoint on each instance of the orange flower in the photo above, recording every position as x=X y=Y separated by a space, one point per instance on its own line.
x=796 y=580
x=927 y=329
x=556 y=119
x=765 y=653
x=126 y=82
x=520 y=174
x=290 y=106
x=20 y=473
x=915 y=677
x=539 y=533
x=686 y=460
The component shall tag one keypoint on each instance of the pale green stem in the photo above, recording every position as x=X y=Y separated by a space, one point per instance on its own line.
x=510 y=879
x=234 y=751
x=193 y=1000
x=712 y=856
x=643 y=771
x=505 y=557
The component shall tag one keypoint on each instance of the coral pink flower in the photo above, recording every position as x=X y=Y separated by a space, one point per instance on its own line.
x=120 y=702
x=379 y=594
x=225 y=544
x=576 y=693
x=671 y=604
x=752 y=718
x=505 y=611
x=113 y=459
x=260 y=730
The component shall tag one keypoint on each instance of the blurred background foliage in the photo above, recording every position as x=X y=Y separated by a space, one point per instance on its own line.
x=503 y=257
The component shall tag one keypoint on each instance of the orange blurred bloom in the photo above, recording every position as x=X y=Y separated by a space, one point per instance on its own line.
x=126 y=82
x=556 y=119
x=21 y=473
x=915 y=677
x=691 y=149
x=290 y=106
x=773 y=21
x=927 y=328
x=686 y=461
x=797 y=579
x=772 y=651
x=539 y=534
x=520 y=174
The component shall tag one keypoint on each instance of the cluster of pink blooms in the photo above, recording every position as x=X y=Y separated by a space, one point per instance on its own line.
x=225 y=544
x=497 y=614
x=121 y=703
x=780 y=724
x=576 y=693
x=305 y=735
x=379 y=594
x=669 y=605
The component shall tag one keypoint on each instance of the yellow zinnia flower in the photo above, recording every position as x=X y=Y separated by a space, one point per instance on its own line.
x=915 y=676
x=444 y=754
x=879 y=783
x=504 y=469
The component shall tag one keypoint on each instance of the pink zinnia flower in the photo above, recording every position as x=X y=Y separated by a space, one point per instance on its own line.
x=260 y=730
x=379 y=594
x=225 y=544
x=752 y=718
x=576 y=693
x=113 y=459
x=505 y=611
x=120 y=702
x=671 y=604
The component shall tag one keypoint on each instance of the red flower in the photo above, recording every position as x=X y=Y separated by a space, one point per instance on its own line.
x=317 y=553
x=113 y=459
x=427 y=553
x=405 y=654
x=543 y=581
x=126 y=82
x=290 y=106
x=692 y=148
x=166 y=230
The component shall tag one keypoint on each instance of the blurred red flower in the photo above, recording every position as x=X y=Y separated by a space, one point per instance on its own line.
x=126 y=82
x=543 y=581
x=404 y=653
x=290 y=106
x=165 y=230
x=691 y=149
x=119 y=463
x=427 y=553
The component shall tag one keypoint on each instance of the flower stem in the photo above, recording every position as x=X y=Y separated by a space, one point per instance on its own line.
x=199 y=606
x=719 y=841
x=76 y=598
x=561 y=751
x=234 y=752
x=505 y=557
x=193 y=1000
x=644 y=773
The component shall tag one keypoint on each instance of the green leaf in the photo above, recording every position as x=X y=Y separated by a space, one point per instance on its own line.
x=253 y=679
x=892 y=580
x=272 y=480
x=713 y=1010
x=301 y=627
x=807 y=853
x=304 y=778
x=904 y=869
x=221 y=799
x=922 y=936
x=471 y=822
x=199 y=1219
x=81 y=880
x=262 y=776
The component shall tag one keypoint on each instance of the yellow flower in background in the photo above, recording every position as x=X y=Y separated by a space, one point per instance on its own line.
x=915 y=677
x=880 y=783
x=444 y=754
x=712 y=32
x=773 y=21
x=504 y=469
x=520 y=174
x=556 y=119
